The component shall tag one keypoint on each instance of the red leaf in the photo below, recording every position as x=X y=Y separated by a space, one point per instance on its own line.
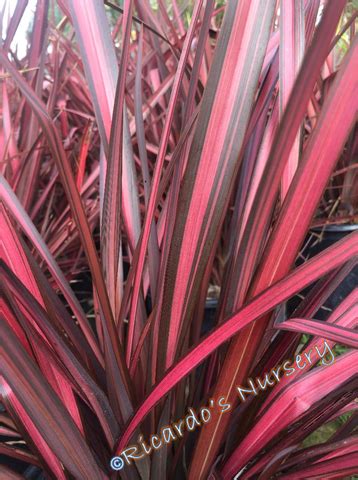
x=290 y=405
x=346 y=336
x=45 y=408
x=263 y=303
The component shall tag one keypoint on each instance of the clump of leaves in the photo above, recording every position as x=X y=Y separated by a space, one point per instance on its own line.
x=160 y=155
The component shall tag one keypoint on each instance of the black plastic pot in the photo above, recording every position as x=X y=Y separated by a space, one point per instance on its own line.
x=318 y=240
x=328 y=236
x=209 y=315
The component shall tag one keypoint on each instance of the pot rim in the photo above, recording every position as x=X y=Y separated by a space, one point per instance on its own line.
x=335 y=228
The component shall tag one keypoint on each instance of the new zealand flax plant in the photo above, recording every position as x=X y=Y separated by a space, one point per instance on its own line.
x=153 y=154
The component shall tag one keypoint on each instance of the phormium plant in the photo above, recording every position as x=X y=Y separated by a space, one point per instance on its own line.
x=158 y=157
